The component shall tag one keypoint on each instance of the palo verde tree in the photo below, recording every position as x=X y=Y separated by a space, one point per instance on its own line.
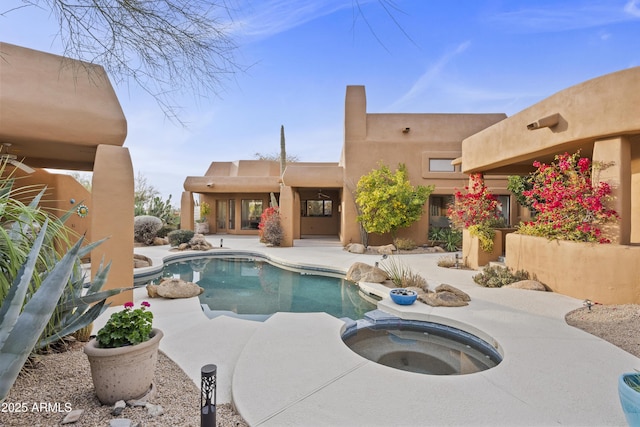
x=387 y=200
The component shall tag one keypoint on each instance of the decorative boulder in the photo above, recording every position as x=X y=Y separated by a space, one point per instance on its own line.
x=160 y=241
x=361 y=272
x=530 y=285
x=178 y=288
x=355 y=248
x=442 y=299
x=152 y=291
x=386 y=250
x=448 y=288
x=140 y=261
x=199 y=243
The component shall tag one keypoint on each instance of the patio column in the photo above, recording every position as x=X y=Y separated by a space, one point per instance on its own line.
x=287 y=214
x=187 y=207
x=112 y=216
x=612 y=164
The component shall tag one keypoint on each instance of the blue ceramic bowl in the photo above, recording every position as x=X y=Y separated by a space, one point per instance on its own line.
x=403 y=296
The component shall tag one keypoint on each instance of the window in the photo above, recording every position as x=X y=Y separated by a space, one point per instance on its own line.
x=250 y=214
x=317 y=208
x=441 y=165
x=232 y=214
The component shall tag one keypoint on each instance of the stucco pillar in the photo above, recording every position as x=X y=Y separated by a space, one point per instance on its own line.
x=355 y=113
x=112 y=216
x=612 y=164
x=287 y=215
x=187 y=207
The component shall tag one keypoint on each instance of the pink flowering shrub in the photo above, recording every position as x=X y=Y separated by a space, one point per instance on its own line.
x=270 y=229
x=475 y=207
x=568 y=205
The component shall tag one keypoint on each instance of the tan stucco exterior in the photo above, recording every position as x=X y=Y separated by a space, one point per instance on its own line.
x=412 y=139
x=63 y=114
x=601 y=118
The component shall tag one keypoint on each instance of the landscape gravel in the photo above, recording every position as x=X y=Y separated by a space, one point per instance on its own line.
x=62 y=381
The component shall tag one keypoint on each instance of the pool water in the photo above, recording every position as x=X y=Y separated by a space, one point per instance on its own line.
x=255 y=289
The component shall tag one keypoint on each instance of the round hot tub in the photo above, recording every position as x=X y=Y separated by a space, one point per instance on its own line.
x=421 y=347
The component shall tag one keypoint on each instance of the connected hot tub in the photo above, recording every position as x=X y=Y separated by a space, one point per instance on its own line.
x=420 y=347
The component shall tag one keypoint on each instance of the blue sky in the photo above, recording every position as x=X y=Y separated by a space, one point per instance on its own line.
x=470 y=56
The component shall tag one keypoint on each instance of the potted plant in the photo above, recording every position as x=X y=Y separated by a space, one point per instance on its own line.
x=123 y=355
x=629 y=393
x=202 y=226
x=403 y=296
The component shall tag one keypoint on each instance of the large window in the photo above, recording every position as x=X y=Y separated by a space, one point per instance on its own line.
x=317 y=208
x=250 y=214
x=232 y=214
x=441 y=165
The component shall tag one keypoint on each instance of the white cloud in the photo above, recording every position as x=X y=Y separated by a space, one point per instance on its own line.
x=429 y=76
x=563 y=17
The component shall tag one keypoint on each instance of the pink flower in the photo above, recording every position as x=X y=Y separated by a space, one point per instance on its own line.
x=145 y=304
x=128 y=304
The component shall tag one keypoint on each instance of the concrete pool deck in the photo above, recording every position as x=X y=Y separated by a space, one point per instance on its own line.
x=293 y=369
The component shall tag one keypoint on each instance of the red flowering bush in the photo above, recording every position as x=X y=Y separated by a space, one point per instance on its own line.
x=476 y=210
x=569 y=205
x=475 y=207
x=270 y=229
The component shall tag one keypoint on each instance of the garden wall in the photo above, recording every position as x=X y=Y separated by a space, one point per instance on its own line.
x=607 y=274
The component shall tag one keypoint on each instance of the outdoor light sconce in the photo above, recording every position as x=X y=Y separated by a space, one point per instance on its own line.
x=209 y=184
x=545 y=122
x=208 y=379
x=406 y=130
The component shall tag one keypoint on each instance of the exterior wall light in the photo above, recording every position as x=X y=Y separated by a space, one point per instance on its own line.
x=406 y=130
x=545 y=122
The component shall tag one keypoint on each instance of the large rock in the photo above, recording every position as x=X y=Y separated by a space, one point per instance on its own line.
x=355 y=248
x=361 y=272
x=448 y=288
x=141 y=261
x=442 y=299
x=530 y=285
x=177 y=288
x=385 y=250
x=199 y=243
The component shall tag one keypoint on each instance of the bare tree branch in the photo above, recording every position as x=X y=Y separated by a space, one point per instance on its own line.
x=166 y=47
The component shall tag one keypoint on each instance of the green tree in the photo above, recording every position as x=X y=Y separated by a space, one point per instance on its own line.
x=388 y=201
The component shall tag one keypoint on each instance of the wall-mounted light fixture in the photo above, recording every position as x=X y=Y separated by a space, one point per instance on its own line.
x=209 y=184
x=545 y=122
x=406 y=130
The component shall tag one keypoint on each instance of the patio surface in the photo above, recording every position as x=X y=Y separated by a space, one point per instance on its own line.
x=294 y=370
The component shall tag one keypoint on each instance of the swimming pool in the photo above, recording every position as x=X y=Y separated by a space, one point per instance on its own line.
x=253 y=288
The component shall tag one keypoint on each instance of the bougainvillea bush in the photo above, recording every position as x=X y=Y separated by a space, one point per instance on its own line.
x=476 y=206
x=568 y=204
x=270 y=228
x=477 y=211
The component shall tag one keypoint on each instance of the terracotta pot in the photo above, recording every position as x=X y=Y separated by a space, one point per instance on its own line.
x=123 y=373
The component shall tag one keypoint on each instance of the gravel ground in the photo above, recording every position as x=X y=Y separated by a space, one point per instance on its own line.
x=65 y=378
x=618 y=324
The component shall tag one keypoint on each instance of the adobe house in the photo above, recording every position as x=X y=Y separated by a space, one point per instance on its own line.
x=61 y=113
x=601 y=118
x=317 y=199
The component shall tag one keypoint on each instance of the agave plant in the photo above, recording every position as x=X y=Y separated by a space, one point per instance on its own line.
x=21 y=324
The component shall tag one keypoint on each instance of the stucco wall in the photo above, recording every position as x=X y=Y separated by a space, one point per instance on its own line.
x=608 y=274
x=371 y=138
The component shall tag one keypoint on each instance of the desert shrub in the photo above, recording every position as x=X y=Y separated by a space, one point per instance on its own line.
x=165 y=230
x=401 y=275
x=177 y=237
x=447 y=261
x=271 y=228
x=448 y=238
x=405 y=244
x=497 y=277
x=145 y=228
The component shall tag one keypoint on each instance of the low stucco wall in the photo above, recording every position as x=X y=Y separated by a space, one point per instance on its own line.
x=607 y=274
